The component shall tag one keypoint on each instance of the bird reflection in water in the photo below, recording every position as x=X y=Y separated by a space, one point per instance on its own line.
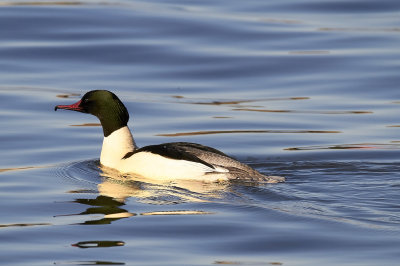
x=158 y=192
x=109 y=208
x=115 y=189
x=103 y=210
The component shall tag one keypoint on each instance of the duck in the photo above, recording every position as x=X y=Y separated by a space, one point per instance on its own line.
x=166 y=161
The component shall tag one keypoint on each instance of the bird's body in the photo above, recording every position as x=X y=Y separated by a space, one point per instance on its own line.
x=168 y=161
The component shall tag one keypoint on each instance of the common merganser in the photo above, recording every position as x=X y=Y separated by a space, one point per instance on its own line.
x=168 y=161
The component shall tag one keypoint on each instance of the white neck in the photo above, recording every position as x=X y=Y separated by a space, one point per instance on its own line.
x=115 y=146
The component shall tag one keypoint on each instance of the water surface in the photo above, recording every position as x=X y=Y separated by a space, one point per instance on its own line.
x=303 y=89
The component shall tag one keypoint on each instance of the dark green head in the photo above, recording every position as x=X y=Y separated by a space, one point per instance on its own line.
x=105 y=105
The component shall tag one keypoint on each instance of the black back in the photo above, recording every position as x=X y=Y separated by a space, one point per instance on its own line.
x=177 y=151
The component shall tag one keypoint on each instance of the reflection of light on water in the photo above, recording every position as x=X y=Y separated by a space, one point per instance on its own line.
x=69 y=95
x=119 y=215
x=361 y=29
x=16 y=168
x=183 y=212
x=22 y=168
x=94 y=262
x=208 y=132
x=303 y=111
x=227 y=262
x=315 y=52
x=42 y=3
x=238 y=102
x=87 y=125
x=281 y=21
x=24 y=224
x=358 y=146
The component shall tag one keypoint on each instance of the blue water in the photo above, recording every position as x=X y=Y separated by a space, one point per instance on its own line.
x=304 y=89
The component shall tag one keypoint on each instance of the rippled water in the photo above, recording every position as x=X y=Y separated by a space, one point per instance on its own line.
x=304 y=89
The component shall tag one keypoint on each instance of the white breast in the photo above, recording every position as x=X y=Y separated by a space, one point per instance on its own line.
x=115 y=146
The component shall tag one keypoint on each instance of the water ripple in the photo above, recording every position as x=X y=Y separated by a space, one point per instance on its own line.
x=210 y=132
